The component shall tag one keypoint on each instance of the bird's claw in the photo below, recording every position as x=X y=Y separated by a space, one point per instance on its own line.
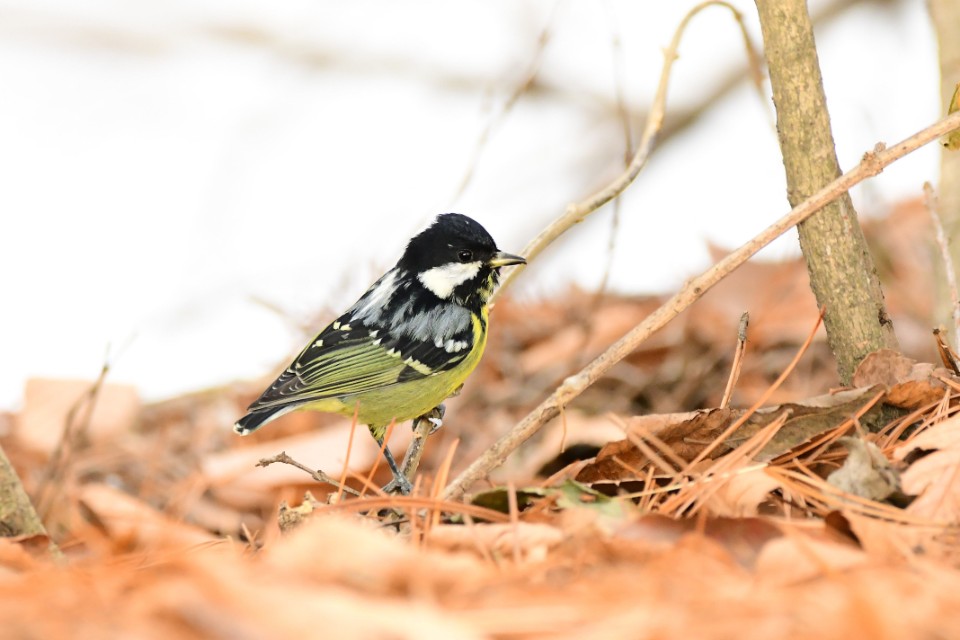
x=398 y=484
x=434 y=417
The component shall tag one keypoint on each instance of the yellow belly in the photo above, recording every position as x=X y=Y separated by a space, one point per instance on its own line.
x=406 y=400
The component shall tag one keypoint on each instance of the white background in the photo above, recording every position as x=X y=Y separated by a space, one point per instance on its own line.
x=185 y=182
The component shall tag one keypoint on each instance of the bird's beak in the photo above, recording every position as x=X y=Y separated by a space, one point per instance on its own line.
x=502 y=259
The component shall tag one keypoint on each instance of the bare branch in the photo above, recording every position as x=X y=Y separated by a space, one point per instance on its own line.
x=933 y=208
x=873 y=163
x=316 y=474
x=737 y=359
x=576 y=212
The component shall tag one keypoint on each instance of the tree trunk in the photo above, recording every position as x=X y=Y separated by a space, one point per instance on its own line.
x=946 y=22
x=842 y=273
x=17 y=516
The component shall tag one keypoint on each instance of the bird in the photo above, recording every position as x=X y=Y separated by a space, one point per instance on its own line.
x=405 y=346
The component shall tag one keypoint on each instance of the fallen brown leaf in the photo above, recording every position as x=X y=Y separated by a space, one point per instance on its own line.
x=935 y=478
x=910 y=384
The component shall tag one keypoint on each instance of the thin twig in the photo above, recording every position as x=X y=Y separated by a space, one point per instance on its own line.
x=442 y=474
x=576 y=213
x=346 y=461
x=640 y=442
x=316 y=474
x=514 y=520
x=820 y=443
x=411 y=460
x=497 y=119
x=737 y=360
x=74 y=432
x=871 y=164
x=648 y=435
x=623 y=115
x=417 y=503
x=696 y=493
x=763 y=397
x=932 y=205
x=947 y=355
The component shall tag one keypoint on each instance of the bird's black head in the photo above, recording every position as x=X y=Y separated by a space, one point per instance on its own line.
x=452 y=238
x=456 y=260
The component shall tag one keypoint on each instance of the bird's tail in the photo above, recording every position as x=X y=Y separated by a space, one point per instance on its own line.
x=256 y=419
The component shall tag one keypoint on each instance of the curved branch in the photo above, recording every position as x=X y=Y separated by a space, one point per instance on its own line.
x=873 y=163
x=576 y=212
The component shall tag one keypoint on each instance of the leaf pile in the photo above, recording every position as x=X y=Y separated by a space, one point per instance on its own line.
x=645 y=511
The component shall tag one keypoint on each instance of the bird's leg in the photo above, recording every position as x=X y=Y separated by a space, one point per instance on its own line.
x=399 y=482
x=412 y=460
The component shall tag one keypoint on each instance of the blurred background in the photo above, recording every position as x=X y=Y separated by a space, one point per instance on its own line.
x=188 y=185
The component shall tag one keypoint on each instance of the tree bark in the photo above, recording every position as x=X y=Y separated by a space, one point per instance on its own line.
x=842 y=273
x=17 y=515
x=946 y=23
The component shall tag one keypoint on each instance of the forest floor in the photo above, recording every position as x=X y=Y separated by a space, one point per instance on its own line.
x=650 y=509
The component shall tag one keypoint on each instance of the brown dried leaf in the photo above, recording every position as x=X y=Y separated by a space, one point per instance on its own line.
x=742 y=537
x=688 y=434
x=358 y=553
x=935 y=478
x=47 y=403
x=132 y=522
x=21 y=553
x=880 y=539
x=910 y=384
x=741 y=493
x=236 y=479
x=797 y=558
x=532 y=540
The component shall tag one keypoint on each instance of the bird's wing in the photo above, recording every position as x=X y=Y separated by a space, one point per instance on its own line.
x=351 y=356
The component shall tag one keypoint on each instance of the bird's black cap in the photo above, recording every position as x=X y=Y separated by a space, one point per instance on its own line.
x=444 y=240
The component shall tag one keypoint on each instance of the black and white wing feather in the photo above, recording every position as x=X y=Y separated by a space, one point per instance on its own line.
x=377 y=343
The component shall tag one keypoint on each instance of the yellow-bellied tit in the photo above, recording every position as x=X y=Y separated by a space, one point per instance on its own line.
x=406 y=345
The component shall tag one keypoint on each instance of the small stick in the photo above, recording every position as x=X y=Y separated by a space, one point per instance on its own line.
x=737 y=359
x=411 y=460
x=764 y=397
x=514 y=520
x=930 y=200
x=442 y=474
x=947 y=355
x=576 y=213
x=316 y=474
x=346 y=461
x=74 y=429
x=526 y=82
x=872 y=163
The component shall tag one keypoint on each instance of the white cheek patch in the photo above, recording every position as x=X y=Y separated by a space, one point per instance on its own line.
x=443 y=280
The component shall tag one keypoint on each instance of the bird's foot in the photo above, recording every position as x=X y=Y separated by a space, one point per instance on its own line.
x=434 y=417
x=400 y=485
x=400 y=482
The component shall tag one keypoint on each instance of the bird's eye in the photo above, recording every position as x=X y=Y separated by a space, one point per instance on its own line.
x=465 y=256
